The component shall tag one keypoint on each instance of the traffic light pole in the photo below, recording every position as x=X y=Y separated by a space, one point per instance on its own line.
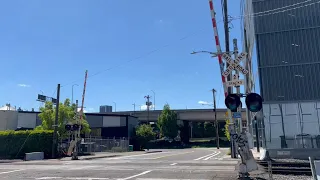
x=75 y=151
x=55 y=133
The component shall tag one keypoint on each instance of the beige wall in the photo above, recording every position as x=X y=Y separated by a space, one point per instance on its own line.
x=8 y=120
x=27 y=120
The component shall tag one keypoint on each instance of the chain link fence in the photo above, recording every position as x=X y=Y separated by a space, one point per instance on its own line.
x=99 y=144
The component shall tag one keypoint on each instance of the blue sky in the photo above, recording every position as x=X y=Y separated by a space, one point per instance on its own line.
x=130 y=46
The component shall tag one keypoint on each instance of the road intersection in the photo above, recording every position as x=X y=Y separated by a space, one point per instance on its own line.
x=206 y=163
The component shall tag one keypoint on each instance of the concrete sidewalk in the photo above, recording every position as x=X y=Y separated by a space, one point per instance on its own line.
x=99 y=155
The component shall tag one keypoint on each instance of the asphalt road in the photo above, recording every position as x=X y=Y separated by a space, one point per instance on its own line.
x=183 y=164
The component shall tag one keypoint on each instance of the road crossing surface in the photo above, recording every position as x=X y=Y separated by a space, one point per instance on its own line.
x=185 y=164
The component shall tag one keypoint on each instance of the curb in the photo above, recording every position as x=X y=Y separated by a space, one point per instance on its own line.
x=99 y=157
x=148 y=152
x=111 y=156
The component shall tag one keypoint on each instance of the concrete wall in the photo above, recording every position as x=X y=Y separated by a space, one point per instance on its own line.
x=185 y=115
x=27 y=120
x=8 y=120
x=290 y=120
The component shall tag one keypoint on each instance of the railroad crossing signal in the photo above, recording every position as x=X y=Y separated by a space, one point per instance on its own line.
x=253 y=102
x=232 y=102
x=234 y=64
x=235 y=81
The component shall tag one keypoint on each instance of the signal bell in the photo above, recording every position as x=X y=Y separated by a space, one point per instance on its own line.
x=232 y=102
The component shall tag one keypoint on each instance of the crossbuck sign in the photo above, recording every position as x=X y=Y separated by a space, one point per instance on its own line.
x=234 y=64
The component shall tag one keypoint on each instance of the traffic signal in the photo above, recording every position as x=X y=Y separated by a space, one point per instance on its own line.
x=75 y=127
x=232 y=102
x=68 y=127
x=254 y=102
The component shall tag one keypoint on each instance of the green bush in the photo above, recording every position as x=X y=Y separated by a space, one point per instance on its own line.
x=14 y=144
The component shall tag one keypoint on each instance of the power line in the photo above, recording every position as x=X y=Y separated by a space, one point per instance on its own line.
x=276 y=12
x=141 y=56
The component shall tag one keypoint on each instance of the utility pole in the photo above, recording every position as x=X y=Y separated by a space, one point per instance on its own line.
x=226 y=36
x=148 y=106
x=55 y=133
x=227 y=41
x=154 y=100
x=134 y=107
x=215 y=117
x=235 y=46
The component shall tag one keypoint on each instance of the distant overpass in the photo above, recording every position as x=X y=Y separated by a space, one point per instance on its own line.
x=184 y=114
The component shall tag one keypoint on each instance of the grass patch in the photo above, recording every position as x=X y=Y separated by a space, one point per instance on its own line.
x=228 y=152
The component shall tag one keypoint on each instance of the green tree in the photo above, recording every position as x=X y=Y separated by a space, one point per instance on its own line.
x=209 y=129
x=167 y=122
x=66 y=115
x=144 y=134
x=226 y=129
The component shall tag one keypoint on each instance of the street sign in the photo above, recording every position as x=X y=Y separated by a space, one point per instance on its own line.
x=234 y=64
x=235 y=83
x=236 y=115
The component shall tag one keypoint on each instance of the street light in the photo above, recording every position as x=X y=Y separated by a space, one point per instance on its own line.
x=72 y=92
x=115 y=106
x=213 y=54
x=154 y=100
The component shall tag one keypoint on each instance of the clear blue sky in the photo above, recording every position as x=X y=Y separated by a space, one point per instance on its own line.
x=43 y=43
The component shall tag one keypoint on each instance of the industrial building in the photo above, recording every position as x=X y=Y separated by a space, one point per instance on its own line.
x=101 y=124
x=287 y=46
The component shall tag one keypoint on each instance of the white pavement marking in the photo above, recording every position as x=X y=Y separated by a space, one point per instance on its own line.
x=206 y=156
x=124 y=157
x=7 y=172
x=84 y=178
x=173 y=164
x=84 y=167
x=173 y=154
x=143 y=173
x=167 y=179
x=211 y=156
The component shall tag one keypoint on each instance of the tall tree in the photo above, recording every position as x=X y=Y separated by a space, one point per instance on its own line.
x=167 y=122
x=66 y=115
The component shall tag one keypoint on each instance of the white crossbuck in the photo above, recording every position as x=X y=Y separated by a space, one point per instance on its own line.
x=234 y=64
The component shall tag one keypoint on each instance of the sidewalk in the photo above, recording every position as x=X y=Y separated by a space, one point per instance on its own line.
x=99 y=155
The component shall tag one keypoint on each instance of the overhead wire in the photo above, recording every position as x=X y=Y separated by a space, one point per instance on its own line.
x=185 y=37
x=141 y=56
x=266 y=13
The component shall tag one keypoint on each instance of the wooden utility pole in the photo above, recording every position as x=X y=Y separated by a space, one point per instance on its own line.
x=55 y=133
x=148 y=107
x=215 y=117
x=226 y=36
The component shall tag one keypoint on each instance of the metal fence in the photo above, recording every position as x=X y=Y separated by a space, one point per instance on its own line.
x=99 y=144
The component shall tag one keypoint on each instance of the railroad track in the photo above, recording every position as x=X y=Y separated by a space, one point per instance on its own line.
x=285 y=168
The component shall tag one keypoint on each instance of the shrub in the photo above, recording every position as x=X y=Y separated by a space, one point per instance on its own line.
x=14 y=144
x=144 y=133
